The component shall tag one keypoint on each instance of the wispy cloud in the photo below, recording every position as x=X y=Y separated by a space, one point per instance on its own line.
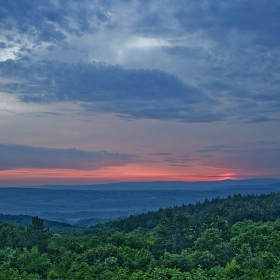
x=19 y=156
x=251 y=155
x=50 y=21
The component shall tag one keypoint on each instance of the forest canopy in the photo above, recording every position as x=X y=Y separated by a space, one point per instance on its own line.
x=232 y=238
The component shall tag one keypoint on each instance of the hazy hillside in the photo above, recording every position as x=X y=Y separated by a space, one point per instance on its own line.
x=226 y=238
x=72 y=203
x=26 y=219
x=169 y=185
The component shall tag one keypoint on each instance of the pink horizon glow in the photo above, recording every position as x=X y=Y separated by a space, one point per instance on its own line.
x=128 y=173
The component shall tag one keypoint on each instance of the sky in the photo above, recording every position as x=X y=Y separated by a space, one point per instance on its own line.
x=125 y=90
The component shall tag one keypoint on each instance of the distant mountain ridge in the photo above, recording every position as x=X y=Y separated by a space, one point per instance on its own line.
x=165 y=185
x=70 y=204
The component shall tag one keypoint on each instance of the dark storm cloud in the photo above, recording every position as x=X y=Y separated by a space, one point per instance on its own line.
x=19 y=156
x=135 y=93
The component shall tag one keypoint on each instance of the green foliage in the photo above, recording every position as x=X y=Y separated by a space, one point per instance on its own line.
x=173 y=232
x=232 y=270
x=7 y=272
x=11 y=235
x=37 y=234
x=209 y=239
x=32 y=261
x=177 y=247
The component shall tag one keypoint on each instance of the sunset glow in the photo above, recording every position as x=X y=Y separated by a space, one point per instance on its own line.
x=129 y=173
x=138 y=91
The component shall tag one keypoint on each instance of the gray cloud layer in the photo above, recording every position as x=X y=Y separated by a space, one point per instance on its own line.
x=111 y=89
x=253 y=155
x=233 y=47
x=219 y=20
x=48 y=21
x=19 y=156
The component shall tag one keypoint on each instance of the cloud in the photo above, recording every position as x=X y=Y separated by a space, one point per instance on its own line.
x=236 y=47
x=172 y=159
x=49 y=21
x=247 y=156
x=19 y=156
x=31 y=28
x=218 y=59
x=219 y=20
x=222 y=22
x=178 y=160
x=3 y=45
x=161 y=154
x=187 y=52
x=134 y=93
x=244 y=80
x=226 y=23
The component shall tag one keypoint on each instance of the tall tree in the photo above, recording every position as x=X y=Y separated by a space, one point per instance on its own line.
x=37 y=234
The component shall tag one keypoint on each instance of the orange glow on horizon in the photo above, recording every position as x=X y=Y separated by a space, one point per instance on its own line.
x=128 y=173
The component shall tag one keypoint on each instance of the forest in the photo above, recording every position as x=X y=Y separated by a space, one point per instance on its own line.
x=237 y=237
